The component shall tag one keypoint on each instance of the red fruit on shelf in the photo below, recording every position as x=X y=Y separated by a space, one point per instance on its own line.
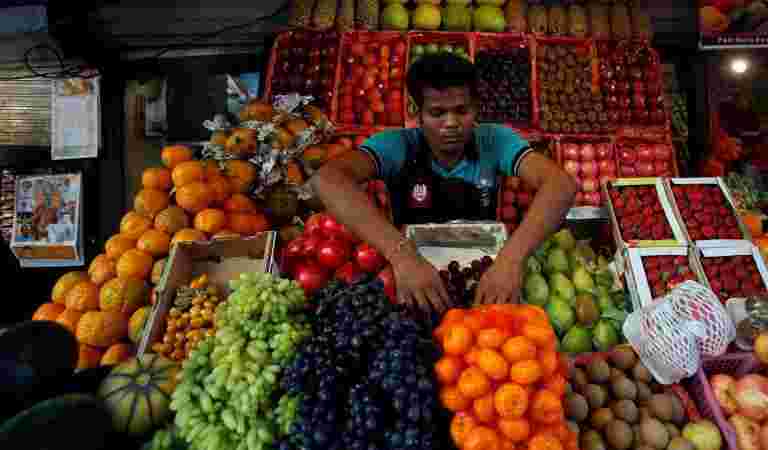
x=332 y=253
x=368 y=258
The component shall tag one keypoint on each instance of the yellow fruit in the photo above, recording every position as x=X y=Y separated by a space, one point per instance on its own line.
x=124 y=295
x=101 y=269
x=116 y=354
x=117 y=245
x=149 y=202
x=65 y=283
x=84 y=296
x=134 y=264
x=133 y=225
x=102 y=328
x=136 y=323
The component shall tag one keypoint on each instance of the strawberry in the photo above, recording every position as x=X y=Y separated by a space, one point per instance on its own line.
x=709 y=232
x=723 y=211
x=618 y=203
x=730 y=283
x=741 y=273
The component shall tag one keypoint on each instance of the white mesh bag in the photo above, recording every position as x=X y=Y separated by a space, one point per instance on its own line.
x=673 y=332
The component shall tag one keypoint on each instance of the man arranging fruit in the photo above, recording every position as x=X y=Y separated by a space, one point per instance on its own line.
x=445 y=170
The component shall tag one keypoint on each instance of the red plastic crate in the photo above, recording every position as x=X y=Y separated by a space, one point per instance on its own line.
x=432 y=37
x=350 y=94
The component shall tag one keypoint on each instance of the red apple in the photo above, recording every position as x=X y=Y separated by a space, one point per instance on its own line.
x=645 y=169
x=590 y=184
x=644 y=153
x=571 y=152
x=572 y=167
x=587 y=152
x=604 y=151
x=589 y=168
x=606 y=167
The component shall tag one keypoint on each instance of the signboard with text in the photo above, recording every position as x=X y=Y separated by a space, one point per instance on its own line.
x=733 y=24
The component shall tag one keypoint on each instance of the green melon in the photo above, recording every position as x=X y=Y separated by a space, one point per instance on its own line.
x=137 y=393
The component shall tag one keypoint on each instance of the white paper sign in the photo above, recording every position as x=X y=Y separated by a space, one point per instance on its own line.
x=75 y=119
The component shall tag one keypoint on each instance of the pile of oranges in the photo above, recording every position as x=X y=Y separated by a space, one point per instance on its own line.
x=501 y=376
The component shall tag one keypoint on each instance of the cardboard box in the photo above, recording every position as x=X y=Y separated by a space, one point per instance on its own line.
x=637 y=279
x=670 y=183
x=738 y=248
x=223 y=260
x=462 y=242
x=680 y=238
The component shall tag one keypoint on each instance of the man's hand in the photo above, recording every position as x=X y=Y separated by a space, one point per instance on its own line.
x=500 y=284
x=419 y=284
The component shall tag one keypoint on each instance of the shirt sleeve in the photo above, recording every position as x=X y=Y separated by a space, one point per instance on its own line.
x=388 y=152
x=510 y=149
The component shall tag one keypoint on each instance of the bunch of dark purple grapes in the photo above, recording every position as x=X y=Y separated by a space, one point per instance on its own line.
x=461 y=283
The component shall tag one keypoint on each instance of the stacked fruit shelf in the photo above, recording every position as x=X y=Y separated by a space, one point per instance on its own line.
x=618 y=90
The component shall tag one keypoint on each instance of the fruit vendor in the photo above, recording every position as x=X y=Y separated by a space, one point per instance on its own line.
x=445 y=170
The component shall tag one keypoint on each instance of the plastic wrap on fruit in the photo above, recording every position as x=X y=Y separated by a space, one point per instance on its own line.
x=538 y=20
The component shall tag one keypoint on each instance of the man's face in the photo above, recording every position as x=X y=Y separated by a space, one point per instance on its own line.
x=447 y=118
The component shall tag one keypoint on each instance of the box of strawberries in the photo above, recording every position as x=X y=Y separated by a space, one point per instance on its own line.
x=642 y=215
x=705 y=208
x=652 y=273
x=734 y=272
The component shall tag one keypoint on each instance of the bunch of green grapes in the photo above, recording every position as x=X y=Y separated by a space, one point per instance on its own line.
x=230 y=382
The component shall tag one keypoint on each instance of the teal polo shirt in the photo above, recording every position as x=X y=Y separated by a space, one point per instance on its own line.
x=500 y=151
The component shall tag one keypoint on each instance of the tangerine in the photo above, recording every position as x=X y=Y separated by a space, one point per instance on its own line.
x=484 y=409
x=154 y=242
x=248 y=224
x=241 y=174
x=457 y=339
x=157 y=178
x=511 y=400
x=210 y=221
x=556 y=384
x=174 y=155
x=541 y=335
x=134 y=264
x=194 y=197
x=88 y=357
x=544 y=441
x=157 y=270
x=188 y=235
x=69 y=318
x=221 y=189
x=149 y=202
x=116 y=354
x=549 y=362
x=65 y=283
x=525 y=372
x=493 y=364
x=239 y=203
x=448 y=369
x=546 y=407
x=84 y=296
x=117 y=245
x=514 y=429
x=101 y=269
x=461 y=425
x=188 y=172
x=506 y=444
x=171 y=220
x=123 y=294
x=133 y=225
x=492 y=337
x=518 y=348
x=476 y=320
x=453 y=399
x=473 y=383
x=454 y=315
x=482 y=438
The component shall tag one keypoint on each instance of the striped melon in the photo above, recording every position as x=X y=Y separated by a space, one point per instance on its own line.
x=137 y=393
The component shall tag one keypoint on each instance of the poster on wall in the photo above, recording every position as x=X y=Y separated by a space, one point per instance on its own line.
x=733 y=24
x=75 y=118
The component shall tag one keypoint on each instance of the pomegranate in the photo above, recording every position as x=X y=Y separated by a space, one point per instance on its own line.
x=606 y=167
x=662 y=152
x=589 y=168
x=645 y=169
x=572 y=167
x=590 y=185
x=604 y=151
x=571 y=151
x=627 y=155
x=587 y=152
x=644 y=153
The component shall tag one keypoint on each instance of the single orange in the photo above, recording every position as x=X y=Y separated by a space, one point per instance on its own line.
x=240 y=203
x=453 y=400
x=471 y=357
x=546 y=407
x=559 y=430
x=133 y=225
x=462 y=425
x=492 y=337
x=525 y=372
x=544 y=441
x=157 y=178
x=117 y=245
x=69 y=318
x=454 y=315
x=511 y=400
x=493 y=364
x=171 y=220
x=476 y=321
x=514 y=429
x=210 y=220
x=241 y=174
x=248 y=224
x=556 y=384
x=483 y=408
x=549 y=362
x=473 y=383
x=532 y=314
x=48 y=311
x=187 y=235
x=174 y=155
x=448 y=369
x=188 y=172
x=84 y=296
x=541 y=335
x=457 y=340
x=518 y=348
x=149 y=202
x=102 y=269
x=221 y=189
x=194 y=197
x=506 y=444
x=482 y=438
x=135 y=264
x=154 y=242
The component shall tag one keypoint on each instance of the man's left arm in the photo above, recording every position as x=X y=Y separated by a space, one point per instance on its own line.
x=555 y=191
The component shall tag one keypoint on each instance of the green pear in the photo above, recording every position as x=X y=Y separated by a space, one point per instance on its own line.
x=562 y=286
x=564 y=239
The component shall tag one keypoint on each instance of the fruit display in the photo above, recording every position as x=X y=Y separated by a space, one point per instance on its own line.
x=504 y=71
x=615 y=403
x=306 y=62
x=639 y=213
x=576 y=288
x=742 y=401
x=592 y=164
x=461 y=283
x=733 y=276
x=631 y=83
x=372 y=79
x=229 y=393
x=148 y=380
x=664 y=272
x=514 y=199
x=502 y=378
x=190 y=320
x=643 y=159
x=364 y=376
x=569 y=101
x=706 y=212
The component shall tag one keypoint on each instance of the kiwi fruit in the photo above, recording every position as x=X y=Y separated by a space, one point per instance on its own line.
x=626 y=410
x=680 y=443
x=619 y=435
x=591 y=440
x=641 y=373
x=654 y=434
x=599 y=371
x=576 y=407
x=643 y=391
x=678 y=411
x=672 y=430
x=601 y=418
x=579 y=379
x=623 y=357
x=624 y=389
x=596 y=396
x=660 y=406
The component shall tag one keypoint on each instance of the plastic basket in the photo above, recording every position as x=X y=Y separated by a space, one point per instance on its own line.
x=467 y=40
x=733 y=364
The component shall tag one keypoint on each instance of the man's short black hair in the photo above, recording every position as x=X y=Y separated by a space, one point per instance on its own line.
x=440 y=71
